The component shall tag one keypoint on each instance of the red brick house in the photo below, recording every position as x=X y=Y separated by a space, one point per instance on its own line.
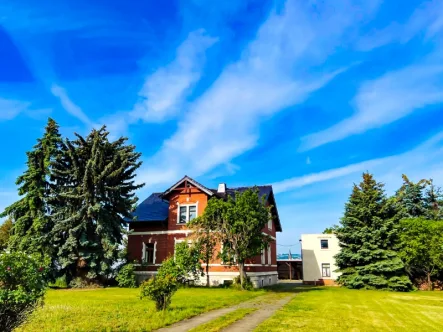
x=161 y=223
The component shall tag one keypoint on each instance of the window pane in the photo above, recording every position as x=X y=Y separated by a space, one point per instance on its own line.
x=192 y=212
x=182 y=219
x=326 y=270
x=149 y=255
x=324 y=244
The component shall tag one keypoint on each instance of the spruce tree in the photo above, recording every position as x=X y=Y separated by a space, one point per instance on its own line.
x=410 y=198
x=31 y=214
x=368 y=237
x=95 y=191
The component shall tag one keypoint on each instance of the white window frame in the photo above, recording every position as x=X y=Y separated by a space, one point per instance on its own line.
x=322 y=270
x=269 y=256
x=187 y=212
x=263 y=256
x=270 y=222
x=144 y=252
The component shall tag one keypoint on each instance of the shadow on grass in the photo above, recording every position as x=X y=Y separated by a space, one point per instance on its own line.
x=293 y=288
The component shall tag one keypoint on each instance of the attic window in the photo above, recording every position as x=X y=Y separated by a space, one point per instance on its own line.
x=324 y=244
x=187 y=213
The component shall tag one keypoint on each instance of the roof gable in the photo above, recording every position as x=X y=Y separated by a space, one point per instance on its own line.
x=185 y=181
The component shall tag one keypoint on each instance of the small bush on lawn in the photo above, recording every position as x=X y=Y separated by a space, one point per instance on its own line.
x=22 y=287
x=126 y=276
x=160 y=289
x=83 y=283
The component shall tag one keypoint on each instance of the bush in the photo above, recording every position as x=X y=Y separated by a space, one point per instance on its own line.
x=84 y=283
x=247 y=284
x=159 y=289
x=22 y=287
x=126 y=276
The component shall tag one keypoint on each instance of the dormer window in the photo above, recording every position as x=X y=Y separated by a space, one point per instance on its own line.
x=187 y=213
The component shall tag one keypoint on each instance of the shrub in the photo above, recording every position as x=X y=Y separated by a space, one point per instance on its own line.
x=84 y=283
x=126 y=276
x=159 y=289
x=247 y=284
x=22 y=287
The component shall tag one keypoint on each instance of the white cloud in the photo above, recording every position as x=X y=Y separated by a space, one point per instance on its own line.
x=387 y=169
x=427 y=17
x=385 y=100
x=9 y=109
x=165 y=90
x=69 y=105
x=223 y=122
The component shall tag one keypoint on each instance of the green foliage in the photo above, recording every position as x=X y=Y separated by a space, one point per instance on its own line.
x=32 y=223
x=238 y=222
x=186 y=262
x=22 y=287
x=95 y=192
x=247 y=284
x=159 y=289
x=433 y=201
x=330 y=230
x=5 y=233
x=422 y=247
x=126 y=276
x=368 y=237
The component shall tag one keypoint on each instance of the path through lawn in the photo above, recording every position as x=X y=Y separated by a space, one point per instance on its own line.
x=338 y=309
x=115 y=309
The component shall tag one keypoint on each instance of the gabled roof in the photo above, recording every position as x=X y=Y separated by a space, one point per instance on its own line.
x=191 y=181
x=153 y=208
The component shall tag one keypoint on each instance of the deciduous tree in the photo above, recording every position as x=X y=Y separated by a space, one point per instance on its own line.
x=5 y=233
x=422 y=246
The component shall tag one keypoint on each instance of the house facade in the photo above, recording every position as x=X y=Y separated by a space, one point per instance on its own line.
x=318 y=251
x=160 y=223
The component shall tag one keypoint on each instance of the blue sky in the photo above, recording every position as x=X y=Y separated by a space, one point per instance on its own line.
x=304 y=95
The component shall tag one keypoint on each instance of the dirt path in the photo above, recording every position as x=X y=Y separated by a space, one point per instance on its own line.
x=265 y=304
x=250 y=322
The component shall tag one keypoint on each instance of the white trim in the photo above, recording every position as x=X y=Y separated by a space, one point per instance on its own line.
x=260 y=265
x=263 y=256
x=234 y=274
x=179 y=231
x=269 y=255
x=155 y=251
x=143 y=251
x=269 y=236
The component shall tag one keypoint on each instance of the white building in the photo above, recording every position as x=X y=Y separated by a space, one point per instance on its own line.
x=318 y=251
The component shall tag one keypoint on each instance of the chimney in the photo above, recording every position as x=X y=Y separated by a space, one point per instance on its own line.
x=221 y=188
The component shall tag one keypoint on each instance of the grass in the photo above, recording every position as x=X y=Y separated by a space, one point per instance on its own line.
x=224 y=321
x=118 y=309
x=340 y=309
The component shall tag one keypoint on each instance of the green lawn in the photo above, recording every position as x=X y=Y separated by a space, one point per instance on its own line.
x=339 y=309
x=114 y=309
x=222 y=322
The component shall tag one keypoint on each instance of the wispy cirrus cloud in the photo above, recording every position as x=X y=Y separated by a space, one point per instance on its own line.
x=69 y=105
x=385 y=100
x=9 y=108
x=387 y=168
x=165 y=90
x=223 y=122
x=427 y=19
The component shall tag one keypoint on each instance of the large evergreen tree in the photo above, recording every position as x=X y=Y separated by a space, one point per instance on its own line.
x=368 y=238
x=31 y=214
x=95 y=191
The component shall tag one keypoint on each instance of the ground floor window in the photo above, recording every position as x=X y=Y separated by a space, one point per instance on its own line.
x=148 y=254
x=326 y=270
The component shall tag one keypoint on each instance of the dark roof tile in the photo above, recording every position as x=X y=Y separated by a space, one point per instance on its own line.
x=152 y=208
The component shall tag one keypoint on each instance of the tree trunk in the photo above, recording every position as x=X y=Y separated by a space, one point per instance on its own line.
x=241 y=268
x=429 y=281
x=207 y=273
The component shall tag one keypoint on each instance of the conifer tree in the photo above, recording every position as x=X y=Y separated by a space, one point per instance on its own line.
x=31 y=214
x=368 y=239
x=95 y=191
x=411 y=199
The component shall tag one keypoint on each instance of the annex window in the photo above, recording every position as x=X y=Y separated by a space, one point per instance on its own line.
x=326 y=270
x=186 y=213
x=263 y=256
x=270 y=222
x=269 y=255
x=324 y=244
x=148 y=253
